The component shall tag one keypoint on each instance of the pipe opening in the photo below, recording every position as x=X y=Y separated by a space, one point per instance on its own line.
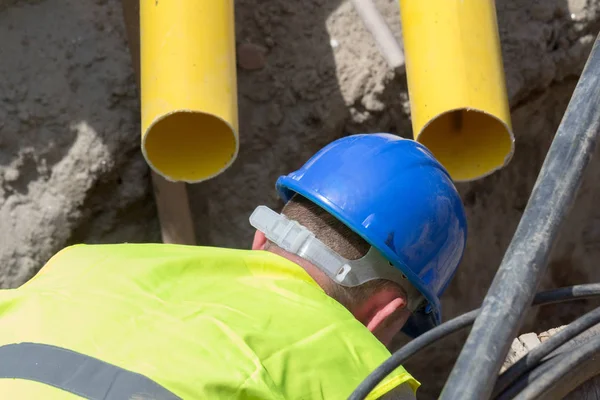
x=470 y=144
x=190 y=146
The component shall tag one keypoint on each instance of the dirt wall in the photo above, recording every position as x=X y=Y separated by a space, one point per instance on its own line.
x=71 y=170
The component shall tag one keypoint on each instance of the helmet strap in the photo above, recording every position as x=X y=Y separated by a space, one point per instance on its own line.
x=297 y=239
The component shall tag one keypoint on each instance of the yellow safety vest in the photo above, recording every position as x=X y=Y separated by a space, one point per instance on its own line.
x=156 y=321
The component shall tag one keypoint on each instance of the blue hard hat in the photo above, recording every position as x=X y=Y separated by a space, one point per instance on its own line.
x=394 y=194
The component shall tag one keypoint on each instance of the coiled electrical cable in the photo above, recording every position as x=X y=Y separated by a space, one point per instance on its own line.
x=573 y=368
x=399 y=357
x=535 y=356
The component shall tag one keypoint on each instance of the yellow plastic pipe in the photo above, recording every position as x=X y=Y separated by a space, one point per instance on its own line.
x=188 y=87
x=456 y=84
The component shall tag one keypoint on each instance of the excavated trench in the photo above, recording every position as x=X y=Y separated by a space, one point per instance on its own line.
x=71 y=170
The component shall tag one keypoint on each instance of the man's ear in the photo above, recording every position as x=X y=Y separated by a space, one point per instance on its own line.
x=384 y=314
x=259 y=242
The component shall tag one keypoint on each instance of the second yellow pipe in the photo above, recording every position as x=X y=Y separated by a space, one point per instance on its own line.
x=456 y=84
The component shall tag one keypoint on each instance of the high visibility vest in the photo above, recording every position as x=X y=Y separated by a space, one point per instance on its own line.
x=157 y=321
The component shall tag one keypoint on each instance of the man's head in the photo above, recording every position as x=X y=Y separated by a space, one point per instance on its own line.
x=379 y=304
x=394 y=194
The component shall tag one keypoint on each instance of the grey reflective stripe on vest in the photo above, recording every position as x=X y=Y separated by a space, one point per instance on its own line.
x=77 y=373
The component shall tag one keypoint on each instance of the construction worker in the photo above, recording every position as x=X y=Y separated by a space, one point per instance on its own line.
x=371 y=233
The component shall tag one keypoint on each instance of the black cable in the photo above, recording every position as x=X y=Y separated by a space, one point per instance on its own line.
x=573 y=369
x=533 y=358
x=558 y=295
x=399 y=357
x=526 y=258
x=417 y=344
x=547 y=362
x=521 y=383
